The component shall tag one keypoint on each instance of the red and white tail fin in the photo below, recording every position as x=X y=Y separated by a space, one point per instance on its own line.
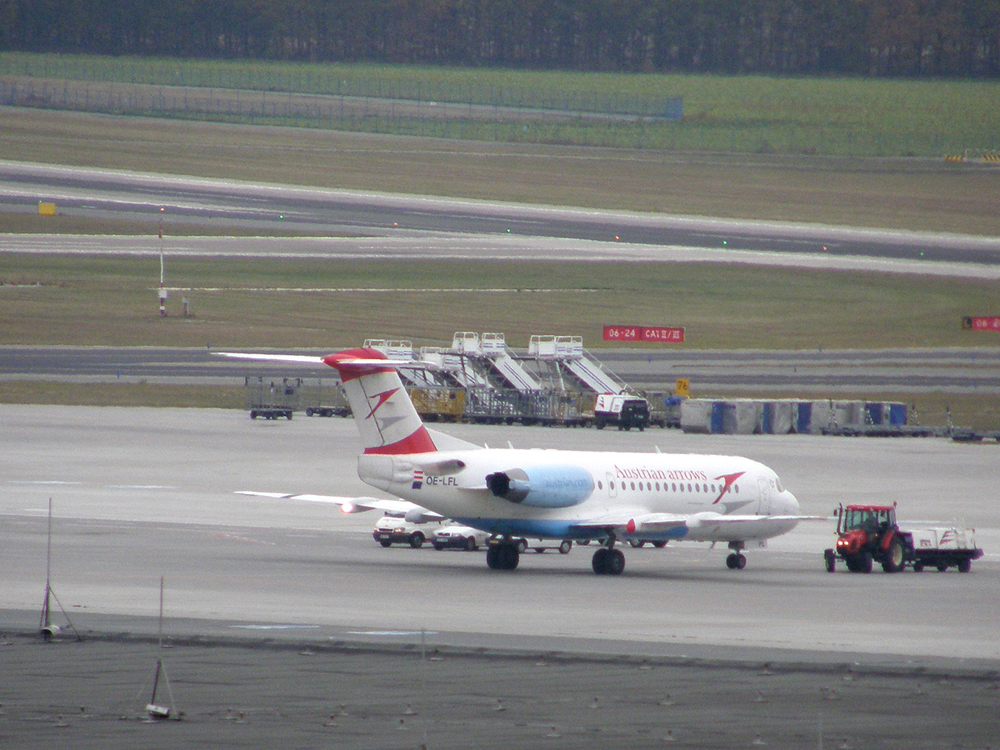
x=382 y=409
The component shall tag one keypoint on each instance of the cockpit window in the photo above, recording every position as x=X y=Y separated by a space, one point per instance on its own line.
x=777 y=483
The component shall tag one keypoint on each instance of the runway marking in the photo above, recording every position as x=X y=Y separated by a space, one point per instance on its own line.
x=385 y=290
x=392 y=632
x=237 y=538
x=41 y=481
x=275 y=627
x=138 y=487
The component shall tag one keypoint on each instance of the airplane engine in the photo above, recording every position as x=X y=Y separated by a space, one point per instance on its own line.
x=542 y=486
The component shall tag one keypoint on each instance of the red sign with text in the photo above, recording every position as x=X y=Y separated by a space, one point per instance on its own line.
x=650 y=334
x=986 y=324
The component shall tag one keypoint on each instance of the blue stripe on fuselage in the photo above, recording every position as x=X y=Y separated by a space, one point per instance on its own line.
x=554 y=529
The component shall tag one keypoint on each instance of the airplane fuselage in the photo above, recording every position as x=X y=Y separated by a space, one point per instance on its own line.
x=553 y=493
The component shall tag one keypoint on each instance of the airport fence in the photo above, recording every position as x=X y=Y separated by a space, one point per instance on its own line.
x=739 y=116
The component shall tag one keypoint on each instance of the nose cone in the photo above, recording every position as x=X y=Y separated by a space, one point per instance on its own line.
x=791 y=504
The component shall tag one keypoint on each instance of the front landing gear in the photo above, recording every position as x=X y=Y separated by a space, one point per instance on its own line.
x=503 y=555
x=736 y=560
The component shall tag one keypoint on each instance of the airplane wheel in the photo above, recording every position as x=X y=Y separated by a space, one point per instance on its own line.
x=736 y=561
x=503 y=556
x=565 y=546
x=660 y=545
x=599 y=563
x=636 y=543
x=615 y=563
x=609 y=562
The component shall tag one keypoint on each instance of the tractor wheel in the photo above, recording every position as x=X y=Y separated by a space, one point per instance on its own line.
x=893 y=562
x=830 y=558
x=865 y=562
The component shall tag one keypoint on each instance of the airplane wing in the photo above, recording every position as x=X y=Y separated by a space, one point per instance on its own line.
x=357 y=504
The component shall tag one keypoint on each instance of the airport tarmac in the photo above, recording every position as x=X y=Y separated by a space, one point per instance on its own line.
x=286 y=611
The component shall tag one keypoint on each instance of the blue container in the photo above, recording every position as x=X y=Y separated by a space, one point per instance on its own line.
x=804 y=420
x=897 y=414
x=767 y=419
x=718 y=416
x=875 y=413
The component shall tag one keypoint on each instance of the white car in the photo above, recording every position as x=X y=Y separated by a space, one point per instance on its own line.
x=459 y=537
x=540 y=545
x=393 y=528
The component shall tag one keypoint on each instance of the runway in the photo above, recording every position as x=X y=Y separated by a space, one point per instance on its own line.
x=367 y=224
x=306 y=613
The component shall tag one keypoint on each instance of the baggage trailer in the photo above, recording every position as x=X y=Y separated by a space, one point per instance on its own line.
x=321 y=398
x=944 y=547
x=867 y=534
x=272 y=399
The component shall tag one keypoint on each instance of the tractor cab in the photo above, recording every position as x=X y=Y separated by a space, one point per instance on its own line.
x=873 y=520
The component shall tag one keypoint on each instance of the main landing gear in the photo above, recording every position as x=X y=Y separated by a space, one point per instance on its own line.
x=609 y=561
x=736 y=559
x=503 y=555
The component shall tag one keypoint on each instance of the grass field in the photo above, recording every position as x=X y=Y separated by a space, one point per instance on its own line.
x=739 y=114
x=51 y=300
x=899 y=194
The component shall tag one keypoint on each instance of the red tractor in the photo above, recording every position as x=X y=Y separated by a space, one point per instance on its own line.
x=867 y=534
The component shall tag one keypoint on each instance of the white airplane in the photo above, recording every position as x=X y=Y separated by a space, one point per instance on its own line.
x=513 y=493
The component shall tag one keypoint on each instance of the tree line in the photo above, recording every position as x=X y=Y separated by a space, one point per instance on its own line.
x=914 y=38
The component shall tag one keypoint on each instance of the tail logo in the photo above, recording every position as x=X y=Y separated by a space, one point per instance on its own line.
x=730 y=480
x=380 y=401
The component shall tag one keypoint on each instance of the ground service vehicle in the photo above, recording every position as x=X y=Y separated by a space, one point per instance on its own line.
x=393 y=528
x=459 y=537
x=625 y=411
x=867 y=534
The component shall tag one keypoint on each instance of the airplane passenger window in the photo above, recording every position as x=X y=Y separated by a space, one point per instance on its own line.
x=697 y=488
x=673 y=488
x=657 y=486
x=600 y=486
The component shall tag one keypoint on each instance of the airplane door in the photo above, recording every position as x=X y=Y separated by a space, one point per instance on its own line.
x=764 y=487
x=612 y=486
